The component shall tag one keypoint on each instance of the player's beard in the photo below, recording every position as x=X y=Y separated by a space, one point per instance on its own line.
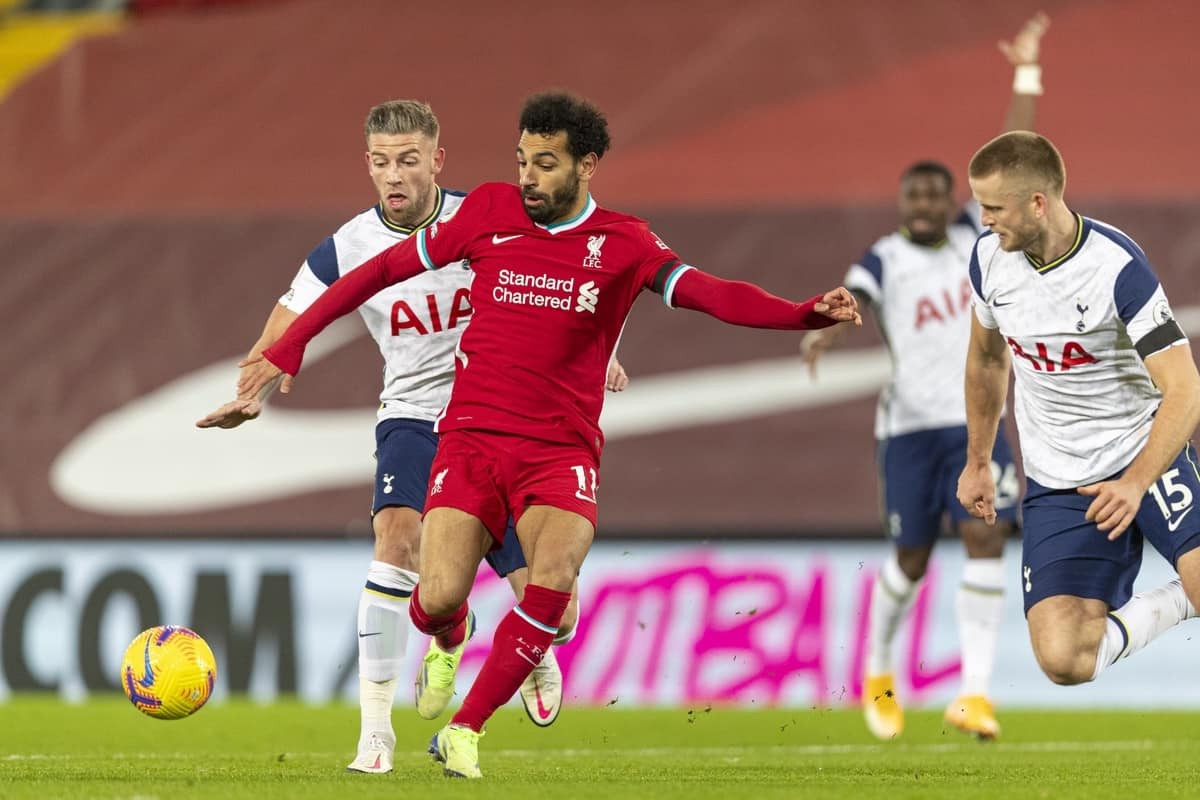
x=417 y=209
x=556 y=204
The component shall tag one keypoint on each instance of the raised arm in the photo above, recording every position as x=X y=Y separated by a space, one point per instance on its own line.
x=746 y=304
x=1022 y=52
x=986 y=387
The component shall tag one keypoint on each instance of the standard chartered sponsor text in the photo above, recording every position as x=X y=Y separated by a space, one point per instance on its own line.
x=531 y=297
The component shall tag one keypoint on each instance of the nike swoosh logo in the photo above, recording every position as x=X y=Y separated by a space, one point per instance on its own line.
x=543 y=712
x=521 y=653
x=148 y=679
x=365 y=635
x=1173 y=524
x=997 y=304
x=111 y=467
x=497 y=239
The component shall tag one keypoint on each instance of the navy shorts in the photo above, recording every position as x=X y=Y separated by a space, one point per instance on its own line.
x=918 y=475
x=404 y=451
x=1063 y=553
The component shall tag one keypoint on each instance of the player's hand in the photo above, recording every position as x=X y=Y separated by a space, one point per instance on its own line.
x=977 y=492
x=813 y=346
x=617 y=380
x=232 y=414
x=1023 y=49
x=258 y=377
x=1115 y=505
x=839 y=305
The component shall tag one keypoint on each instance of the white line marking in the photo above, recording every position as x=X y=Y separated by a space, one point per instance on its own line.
x=658 y=752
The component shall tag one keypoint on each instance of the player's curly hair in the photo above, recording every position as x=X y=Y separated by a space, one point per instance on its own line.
x=547 y=113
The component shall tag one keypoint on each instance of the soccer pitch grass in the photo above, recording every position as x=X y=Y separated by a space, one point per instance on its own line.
x=106 y=749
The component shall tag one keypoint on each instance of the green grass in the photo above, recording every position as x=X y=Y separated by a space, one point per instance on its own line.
x=105 y=749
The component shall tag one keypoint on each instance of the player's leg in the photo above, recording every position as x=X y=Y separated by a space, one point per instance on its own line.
x=542 y=691
x=1166 y=521
x=561 y=539
x=519 y=578
x=556 y=487
x=1071 y=576
x=522 y=638
x=979 y=600
x=452 y=544
x=404 y=450
x=463 y=507
x=912 y=515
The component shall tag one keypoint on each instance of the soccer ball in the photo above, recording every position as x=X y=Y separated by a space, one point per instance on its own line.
x=168 y=672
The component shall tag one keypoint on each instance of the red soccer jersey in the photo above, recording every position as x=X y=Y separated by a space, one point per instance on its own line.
x=549 y=303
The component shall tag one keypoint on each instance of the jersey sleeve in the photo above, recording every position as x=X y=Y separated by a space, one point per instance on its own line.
x=449 y=241
x=656 y=263
x=978 y=301
x=1142 y=305
x=865 y=276
x=316 y=274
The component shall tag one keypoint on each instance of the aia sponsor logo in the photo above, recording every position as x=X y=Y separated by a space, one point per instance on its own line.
x=429 y=320
x=1073 y=355
x=943 y=307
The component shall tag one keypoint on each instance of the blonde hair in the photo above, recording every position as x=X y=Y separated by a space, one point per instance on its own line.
x=1024 y=156
x=402 y=116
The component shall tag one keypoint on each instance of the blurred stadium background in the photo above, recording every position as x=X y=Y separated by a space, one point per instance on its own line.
x=166 y=165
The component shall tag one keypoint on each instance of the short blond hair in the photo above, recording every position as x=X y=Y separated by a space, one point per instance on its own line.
x=1025 y=156
x=402 y=116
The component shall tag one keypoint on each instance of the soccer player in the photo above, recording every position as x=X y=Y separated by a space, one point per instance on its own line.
x=915 y=280
x=417 y=325
x=555 y=277
x=1107 y=398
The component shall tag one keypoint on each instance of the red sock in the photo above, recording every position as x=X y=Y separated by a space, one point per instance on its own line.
x=521 y=640
x=449 y=631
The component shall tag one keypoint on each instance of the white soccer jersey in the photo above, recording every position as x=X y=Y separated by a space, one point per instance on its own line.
x=921 y=297
x=1078 y=328
x=416 y=323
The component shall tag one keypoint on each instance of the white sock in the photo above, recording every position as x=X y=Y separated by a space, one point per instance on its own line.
x=980 y=608
x=383 y=618
x=1143 y=619
x=375 y=704
x=891 y=598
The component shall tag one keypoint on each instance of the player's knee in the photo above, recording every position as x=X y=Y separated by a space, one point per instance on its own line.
x=398 y=537
x=440 y=598
x=1062 y=662
x=913 y=561
x=982 y=540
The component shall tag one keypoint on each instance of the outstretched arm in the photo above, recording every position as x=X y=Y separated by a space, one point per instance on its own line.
x=815 y=343
x=399 y=262
x=1022 y=52
x=740 y=303
x=237 y=411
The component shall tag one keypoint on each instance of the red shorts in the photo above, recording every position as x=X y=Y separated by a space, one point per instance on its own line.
x=493 y=476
